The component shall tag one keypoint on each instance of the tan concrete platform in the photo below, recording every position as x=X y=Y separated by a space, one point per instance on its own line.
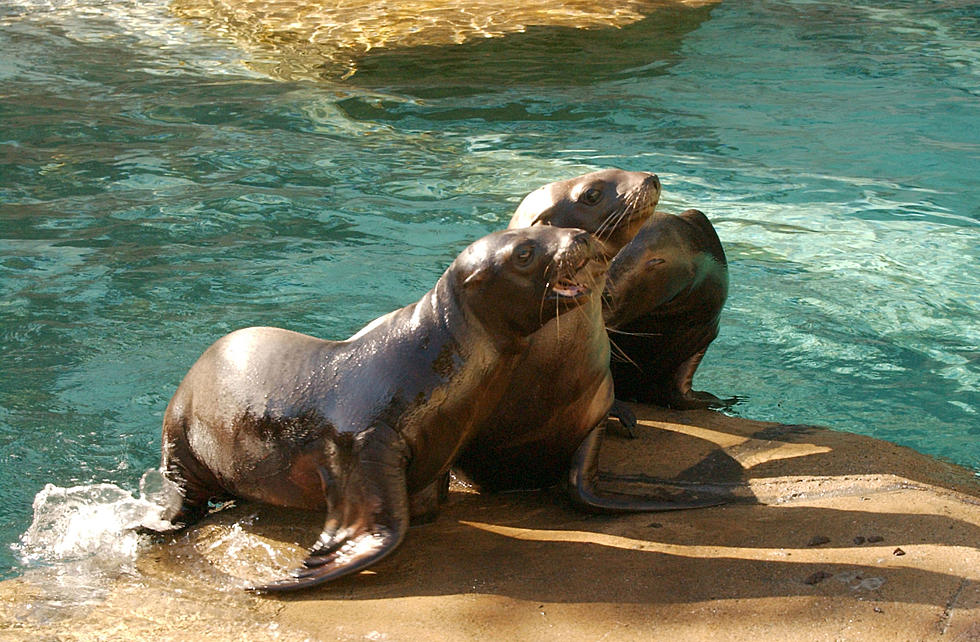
x=827 y=536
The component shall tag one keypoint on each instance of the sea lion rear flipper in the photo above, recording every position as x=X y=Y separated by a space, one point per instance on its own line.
x=366 y=522
x=583 y=491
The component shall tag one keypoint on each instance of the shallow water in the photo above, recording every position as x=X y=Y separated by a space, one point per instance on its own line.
x=157 y=192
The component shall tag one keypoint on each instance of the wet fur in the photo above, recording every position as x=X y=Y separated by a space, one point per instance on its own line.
x=562 y=388
x=365 y=428
x=663 y=303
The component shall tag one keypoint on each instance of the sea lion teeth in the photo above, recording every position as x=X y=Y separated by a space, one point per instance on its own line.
x=547 y=427
x=567 y=289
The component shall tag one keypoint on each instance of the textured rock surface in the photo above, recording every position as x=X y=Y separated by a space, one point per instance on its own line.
x=828 y=536
x=320 y=38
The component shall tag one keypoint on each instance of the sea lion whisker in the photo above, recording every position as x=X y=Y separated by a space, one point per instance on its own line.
x=484 y=300
x=591 y=280
x=557 y=322
x=611 y=222
x=549 y=284
x=620 y=354
x=623 y=211
x=544 y=299
x=634 y=334
x=619 y=216
x=607 y=297
x=604 y=223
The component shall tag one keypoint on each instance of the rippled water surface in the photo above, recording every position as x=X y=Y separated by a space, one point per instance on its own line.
x=156 y=192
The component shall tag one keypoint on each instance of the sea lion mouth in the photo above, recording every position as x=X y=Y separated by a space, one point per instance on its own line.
x=574 y=281
x=566 y=289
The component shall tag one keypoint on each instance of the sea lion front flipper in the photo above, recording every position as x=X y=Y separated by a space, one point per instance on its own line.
x=424 y=504
x=625 y=415
x=583 y=492
x=366 y=521
x=682 y=397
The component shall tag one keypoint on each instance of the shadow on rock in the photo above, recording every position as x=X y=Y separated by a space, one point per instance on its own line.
x=813 y=512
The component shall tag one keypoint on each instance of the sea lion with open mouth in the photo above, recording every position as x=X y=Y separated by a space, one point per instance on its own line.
x=365 y=428
x=548 y=426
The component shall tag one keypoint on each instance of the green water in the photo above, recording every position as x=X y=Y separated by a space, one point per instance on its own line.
x=155 y=194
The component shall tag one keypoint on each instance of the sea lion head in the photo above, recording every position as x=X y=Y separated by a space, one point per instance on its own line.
x=669 y=258
x=610 y=204
x=514 y=281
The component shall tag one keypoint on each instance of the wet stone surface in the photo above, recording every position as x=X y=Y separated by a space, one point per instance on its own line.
x=528 y=566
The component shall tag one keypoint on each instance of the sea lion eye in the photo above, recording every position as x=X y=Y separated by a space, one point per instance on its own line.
x=591 y=196
x=524 y=253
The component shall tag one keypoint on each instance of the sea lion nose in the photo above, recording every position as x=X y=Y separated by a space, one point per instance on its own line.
x=584 y=245
x=652 y=181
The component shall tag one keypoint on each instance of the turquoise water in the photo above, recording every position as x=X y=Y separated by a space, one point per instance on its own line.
x=155 y=193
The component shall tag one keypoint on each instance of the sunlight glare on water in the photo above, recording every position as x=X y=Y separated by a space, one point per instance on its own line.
x=158 y=189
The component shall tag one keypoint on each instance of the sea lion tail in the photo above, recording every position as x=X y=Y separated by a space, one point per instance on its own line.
x=368 y=515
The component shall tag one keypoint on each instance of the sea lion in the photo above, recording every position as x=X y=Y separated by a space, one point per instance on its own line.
x=545 y=428
x=664 y=295
x=365 y=428
x=611 y=204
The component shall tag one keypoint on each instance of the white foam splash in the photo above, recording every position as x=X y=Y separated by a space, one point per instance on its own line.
x=97 y=521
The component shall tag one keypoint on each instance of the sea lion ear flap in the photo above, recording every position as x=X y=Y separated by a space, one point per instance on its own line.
x=544 y=218
x=538 y=204
x=476 y=278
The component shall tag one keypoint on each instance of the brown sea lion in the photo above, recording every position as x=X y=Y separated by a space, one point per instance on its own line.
x=611 y=204
x=547 y=427
x=364 y=428
x=562 y=388
x=664 y=295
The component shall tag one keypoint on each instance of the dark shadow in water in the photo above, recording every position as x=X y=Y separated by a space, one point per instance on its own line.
x=543 y=55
